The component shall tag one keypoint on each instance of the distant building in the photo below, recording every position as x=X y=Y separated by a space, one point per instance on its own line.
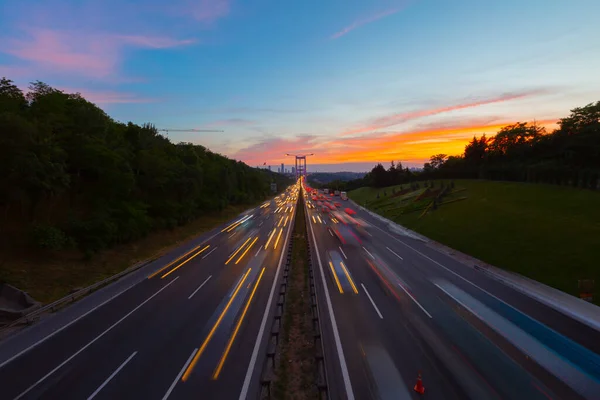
x=282 y=168
x=269 y=167
x=294 y=170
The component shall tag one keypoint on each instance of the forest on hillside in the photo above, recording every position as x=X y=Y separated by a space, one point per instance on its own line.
x=521 y=152
x=72 y=177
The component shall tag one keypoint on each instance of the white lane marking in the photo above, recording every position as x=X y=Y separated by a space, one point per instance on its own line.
x=429 y=258
x=340 y=247
x=261 y=222
x=331 y=233
x=207 y=254
x=336 y=334
x=372 y=302
x=111 y=376
x=252 y=364
x=234 y=232
x=369 y=253
x=394 y=253
x=199 y=287
x=63 y=327
x=93 y=341
x=415 y=300
x=258 y=251
x=179 y=375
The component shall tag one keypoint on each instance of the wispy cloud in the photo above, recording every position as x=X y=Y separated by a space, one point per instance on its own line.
x=395 y=119
x=91 y=55
x=361 y=22
x=208 y=10
x=103 y=97
x=415 y=146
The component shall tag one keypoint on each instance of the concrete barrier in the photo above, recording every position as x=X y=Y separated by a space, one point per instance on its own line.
x=15 y=303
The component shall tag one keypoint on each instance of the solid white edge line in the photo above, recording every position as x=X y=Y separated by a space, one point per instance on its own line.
x=336 y=334
x=93 y=341
x=258 y=251
x=340 y=247
x=394 y=253
x=252 y=363
x=415 y=300
x=368 y=252
x=111 y=376
x=189 y=360
x=199 y=287
x=207 y=254
x=372 y=302
x=63 y=327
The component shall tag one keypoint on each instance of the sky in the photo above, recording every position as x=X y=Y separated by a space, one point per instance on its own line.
x=352 y=82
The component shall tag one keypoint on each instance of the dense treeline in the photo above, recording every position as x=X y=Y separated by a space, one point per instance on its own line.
x=570 y=155
x=72 y=176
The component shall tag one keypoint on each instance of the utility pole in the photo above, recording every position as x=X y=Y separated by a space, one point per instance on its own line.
x=300 y=163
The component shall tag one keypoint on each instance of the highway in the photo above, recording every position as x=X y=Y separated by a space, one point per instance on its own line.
x=191 y=324
x=393 y=307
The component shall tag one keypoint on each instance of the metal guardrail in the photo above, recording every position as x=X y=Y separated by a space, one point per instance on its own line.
x=268 y=371
x=35 y=314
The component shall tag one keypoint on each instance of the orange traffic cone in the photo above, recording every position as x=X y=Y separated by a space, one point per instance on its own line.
x=419 y=388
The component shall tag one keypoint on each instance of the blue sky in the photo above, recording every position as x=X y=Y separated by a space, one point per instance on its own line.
x=355 y=82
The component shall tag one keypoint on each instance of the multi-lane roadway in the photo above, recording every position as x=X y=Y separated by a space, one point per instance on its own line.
x=194 y=323
x=189 y=325
x=394 y=308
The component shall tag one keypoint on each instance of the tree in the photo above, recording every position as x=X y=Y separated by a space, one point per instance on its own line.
x=437 y=160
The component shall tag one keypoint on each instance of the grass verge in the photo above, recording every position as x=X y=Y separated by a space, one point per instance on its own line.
x=545 y=232
x=296 y=367
x=50 y=277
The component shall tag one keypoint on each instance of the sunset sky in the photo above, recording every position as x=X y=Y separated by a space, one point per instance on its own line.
x=354 y=81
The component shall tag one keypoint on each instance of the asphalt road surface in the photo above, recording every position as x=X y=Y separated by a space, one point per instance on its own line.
x=193 y=324
x=394 y=308
x=190 y=325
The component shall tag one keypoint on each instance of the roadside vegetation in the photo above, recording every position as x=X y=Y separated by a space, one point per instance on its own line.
x=546 y=232
x=533 y=210
x=77 y=189
x=296 y=367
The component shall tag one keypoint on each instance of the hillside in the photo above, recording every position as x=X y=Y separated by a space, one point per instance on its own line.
x=326 y=177
x=546 y=232
x=74 y=183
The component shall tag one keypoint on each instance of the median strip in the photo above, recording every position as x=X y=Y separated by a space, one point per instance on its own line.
x=295 y=363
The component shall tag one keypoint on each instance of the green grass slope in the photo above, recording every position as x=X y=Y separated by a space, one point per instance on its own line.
x=548 y=233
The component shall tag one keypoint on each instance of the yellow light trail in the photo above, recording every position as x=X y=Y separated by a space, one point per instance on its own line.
x=319 y=218
x=180 y=265
x=270 y=237
x=278 y=236
x=280 y=221
x=286 y=220
x=189 y=369
x=173 y=262
x=248 y=248
x=348 y=276
x=237 y=251
x=336 y=278
x=314 y=220
x=237 y=328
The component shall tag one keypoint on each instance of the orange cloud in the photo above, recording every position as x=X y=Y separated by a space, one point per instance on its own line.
x=395 y=119
x=415 y=146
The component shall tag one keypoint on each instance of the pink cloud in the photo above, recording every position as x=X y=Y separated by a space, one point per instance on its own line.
x=395 y=119
x=92 y=55
x=209 y=10
x=361 y=22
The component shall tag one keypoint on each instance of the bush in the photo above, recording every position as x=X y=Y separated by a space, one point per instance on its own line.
x=49 y=237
